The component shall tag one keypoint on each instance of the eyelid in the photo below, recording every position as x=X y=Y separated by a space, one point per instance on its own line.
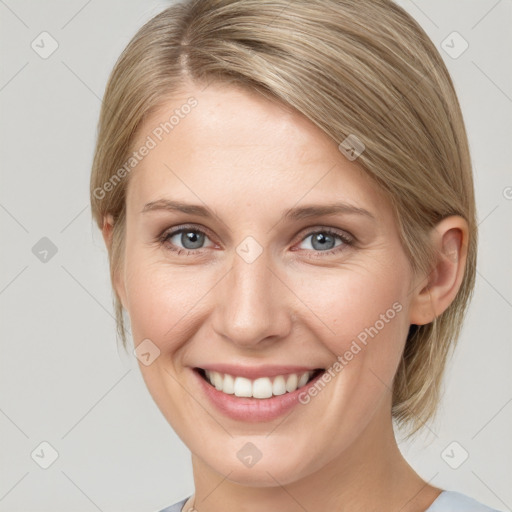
x=304 y=233
x=342 y=233
x=170 y=232
x=348 y=240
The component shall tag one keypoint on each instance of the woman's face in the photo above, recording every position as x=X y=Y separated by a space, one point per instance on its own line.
x=255 y=248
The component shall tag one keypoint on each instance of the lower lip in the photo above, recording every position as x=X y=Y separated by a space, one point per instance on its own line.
x=252 y=409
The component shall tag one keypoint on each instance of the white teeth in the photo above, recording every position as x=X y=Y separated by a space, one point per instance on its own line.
x=243 y=387
x=303 y=380
x=217 y=380
x=279 y=386
x=263 y=387
x=291 y=382
x=228 y=385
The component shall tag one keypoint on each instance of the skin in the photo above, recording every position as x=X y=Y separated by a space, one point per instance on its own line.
x=248 y=160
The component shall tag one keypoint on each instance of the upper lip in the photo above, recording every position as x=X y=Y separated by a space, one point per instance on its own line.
x=255 y=372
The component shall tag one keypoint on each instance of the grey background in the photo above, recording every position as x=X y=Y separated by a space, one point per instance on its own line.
x=63 y=380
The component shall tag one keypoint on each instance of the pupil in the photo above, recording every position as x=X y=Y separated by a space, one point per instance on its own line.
x=322 y=240
x=191 y=240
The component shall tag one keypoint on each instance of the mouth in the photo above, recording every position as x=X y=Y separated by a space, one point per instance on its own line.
x=260 y=388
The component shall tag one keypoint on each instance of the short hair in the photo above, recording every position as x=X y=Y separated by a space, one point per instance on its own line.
x=353 y=67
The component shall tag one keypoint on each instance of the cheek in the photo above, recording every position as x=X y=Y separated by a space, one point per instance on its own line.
x=164 y=300
x=345 y=304
x=361 y=313
x=364 y=326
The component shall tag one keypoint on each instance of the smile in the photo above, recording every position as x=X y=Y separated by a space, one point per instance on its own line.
x=262 y=387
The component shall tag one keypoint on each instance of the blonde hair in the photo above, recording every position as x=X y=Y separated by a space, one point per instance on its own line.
x=353 y=67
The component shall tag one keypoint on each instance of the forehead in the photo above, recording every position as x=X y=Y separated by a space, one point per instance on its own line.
x=234 y=145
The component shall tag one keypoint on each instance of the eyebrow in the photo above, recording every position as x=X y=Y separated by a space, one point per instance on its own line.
x=297 y=213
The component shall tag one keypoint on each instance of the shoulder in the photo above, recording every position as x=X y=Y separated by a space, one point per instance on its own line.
x=452 y=501
x=176 y=507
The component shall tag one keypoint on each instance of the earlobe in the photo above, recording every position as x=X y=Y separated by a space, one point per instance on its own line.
x=107 y=231
x=440 y=287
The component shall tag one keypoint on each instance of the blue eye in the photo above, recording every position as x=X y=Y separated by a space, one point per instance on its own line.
x=191 y=239
x=323 y=241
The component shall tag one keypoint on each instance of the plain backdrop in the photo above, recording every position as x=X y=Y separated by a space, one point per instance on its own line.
x=65 y=384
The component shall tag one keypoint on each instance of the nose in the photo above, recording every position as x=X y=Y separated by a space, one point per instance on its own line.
x=252 y=304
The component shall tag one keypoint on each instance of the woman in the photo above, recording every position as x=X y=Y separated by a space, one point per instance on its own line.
x=286 y=194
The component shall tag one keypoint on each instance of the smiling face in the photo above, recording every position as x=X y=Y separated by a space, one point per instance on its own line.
x=254 y=282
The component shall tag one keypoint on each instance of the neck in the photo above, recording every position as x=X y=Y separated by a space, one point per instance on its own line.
x=371 y=475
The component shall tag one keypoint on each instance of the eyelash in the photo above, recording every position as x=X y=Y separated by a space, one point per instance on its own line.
x=166 y=235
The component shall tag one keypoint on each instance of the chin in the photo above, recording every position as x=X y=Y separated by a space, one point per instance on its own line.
x=276 y=465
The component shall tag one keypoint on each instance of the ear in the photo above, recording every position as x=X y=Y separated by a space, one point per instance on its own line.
x=107 y=231
x=438 y=290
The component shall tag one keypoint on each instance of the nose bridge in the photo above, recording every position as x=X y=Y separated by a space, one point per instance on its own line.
x=252 y=307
